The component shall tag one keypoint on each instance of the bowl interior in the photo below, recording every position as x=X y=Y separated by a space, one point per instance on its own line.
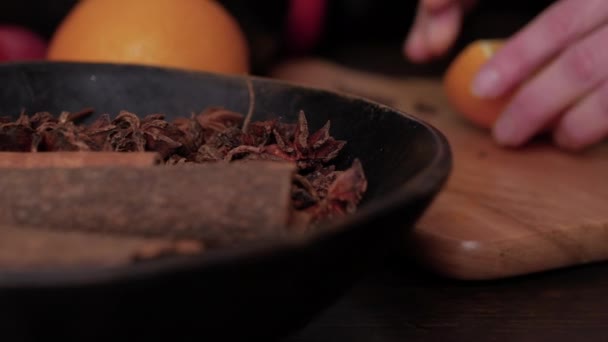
x=405 y=160
x=401 y=156
x=391 y=147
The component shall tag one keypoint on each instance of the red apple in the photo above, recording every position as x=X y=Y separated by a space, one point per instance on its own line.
x=18 y=43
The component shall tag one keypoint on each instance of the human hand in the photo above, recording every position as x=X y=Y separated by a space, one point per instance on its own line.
x=436 y=26
x=557 y=67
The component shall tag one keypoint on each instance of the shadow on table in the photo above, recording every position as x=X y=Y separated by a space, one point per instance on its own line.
x=404 y=303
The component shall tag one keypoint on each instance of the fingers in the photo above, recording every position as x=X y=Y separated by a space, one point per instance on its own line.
x=433 y=32
x=443 y=28
x=570 y=77
x=416 y=47
x=560 y=25
x=436 y=5
x=586 y=123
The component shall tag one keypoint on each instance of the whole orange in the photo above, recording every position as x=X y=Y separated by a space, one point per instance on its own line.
x=188 y=34
x=458 y=80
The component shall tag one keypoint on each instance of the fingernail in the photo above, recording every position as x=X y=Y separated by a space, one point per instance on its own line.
x=504 y=130
x=486 y=84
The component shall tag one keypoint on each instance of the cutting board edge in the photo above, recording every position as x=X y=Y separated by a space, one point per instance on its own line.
x=499 y=259
x=407 y=94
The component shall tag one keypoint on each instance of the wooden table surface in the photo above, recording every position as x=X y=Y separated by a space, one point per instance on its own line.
x=402 y=302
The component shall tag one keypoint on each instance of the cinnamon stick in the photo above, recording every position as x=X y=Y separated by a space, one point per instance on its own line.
x=77 y=159
x=34 y=248
x=221 y=203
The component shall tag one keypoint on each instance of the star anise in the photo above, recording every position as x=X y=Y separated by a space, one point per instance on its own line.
x=99 y=132
x=348 y=188
x=221 y=143
x=327 y=194
x=17 y=137
x=315 y=149
x=126 y=134
x=259 y=133
x=162 y=137
x=319 y=190
x=61 y=134
x=295 y=143
x=193 y=135
x=216 y=120
x=289 y=142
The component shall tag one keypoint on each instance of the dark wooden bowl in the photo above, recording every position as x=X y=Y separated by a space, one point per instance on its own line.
x=262 y=292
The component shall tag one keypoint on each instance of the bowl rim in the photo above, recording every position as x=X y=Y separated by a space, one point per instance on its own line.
x=428 y=180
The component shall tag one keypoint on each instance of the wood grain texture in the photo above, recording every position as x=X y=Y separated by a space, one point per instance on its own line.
x=222 y=204
x=69 y=159
x=400 y=303
x=26 y=249
x=504 y=212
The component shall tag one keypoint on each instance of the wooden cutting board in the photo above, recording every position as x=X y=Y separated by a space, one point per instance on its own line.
x=503 y=212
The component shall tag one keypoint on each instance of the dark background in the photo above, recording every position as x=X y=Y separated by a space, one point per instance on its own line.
x=401 y=302
x=349 y=22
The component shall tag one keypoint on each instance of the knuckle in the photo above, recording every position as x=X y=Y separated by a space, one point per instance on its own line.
x=512 y=63
x=528 y=108
x=580 y=65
